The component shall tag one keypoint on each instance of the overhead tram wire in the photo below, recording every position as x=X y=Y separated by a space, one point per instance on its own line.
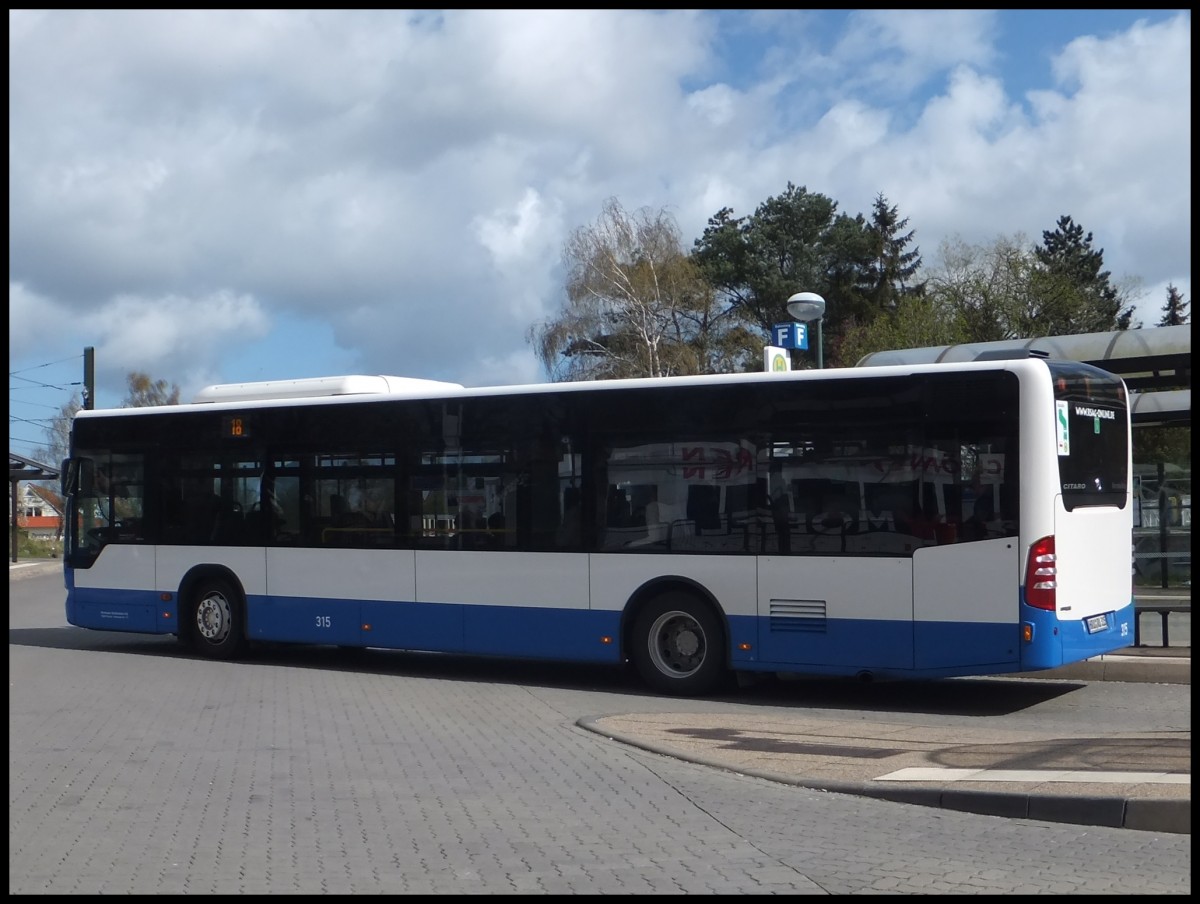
x=35 y=386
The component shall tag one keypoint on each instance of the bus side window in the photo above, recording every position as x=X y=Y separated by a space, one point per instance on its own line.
x=172 y=508
x=568 y=531
x=977 y=526
x=1008 y=502
x=202 y=511
x=704 y=507
x=619 y=514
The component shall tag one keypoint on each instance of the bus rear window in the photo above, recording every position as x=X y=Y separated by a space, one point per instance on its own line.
x=1091 y=410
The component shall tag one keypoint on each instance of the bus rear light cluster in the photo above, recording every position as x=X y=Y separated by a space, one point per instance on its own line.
x=1041 y=575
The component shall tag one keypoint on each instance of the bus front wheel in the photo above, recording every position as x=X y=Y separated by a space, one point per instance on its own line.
x=215 y=620
x=677 y=645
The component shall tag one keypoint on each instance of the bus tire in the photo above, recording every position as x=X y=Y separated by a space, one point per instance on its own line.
x=215 y=619
x=678 y=645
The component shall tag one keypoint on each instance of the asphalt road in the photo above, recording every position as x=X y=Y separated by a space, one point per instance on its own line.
x=136 y=768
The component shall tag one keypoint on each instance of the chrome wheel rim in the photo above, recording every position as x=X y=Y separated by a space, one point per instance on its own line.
x=214 y=617
x=677 y=644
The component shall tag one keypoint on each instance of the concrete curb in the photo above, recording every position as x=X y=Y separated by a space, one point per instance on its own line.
x=1168 y=816
x=27 y=569
x=1118 y=667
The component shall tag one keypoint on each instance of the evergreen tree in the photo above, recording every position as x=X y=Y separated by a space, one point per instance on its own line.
x=1074 y=293
x=889 y=274
x=756 y=263
x=1175 y=311
x=798 y=242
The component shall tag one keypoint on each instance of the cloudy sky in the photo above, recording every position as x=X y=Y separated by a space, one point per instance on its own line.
x=214 y=196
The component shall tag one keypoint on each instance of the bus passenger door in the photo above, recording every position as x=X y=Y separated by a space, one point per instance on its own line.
x=326 y=584
x=966 y=604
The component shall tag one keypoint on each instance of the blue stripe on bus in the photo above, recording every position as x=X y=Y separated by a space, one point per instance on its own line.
x=884 y=649
x=561 y=634
x=842 y=647
x=841 y=643
x=136 y=611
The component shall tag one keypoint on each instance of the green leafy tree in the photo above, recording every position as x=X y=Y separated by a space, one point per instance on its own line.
x=1175 y=310
x=757 y=262
x=636 y=304
x=1008 y=290
x=799 y=242
x=917 y=322
x=1170 y=444
x=987 y=289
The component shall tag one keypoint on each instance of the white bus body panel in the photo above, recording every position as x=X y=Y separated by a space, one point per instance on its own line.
x=359 y=574
x=128 y=567
x=964 y=586
x=248 y=563
x=947 y=580
x=482 y=578
x=615 y=578
x=874 y=588
x=1095 y=562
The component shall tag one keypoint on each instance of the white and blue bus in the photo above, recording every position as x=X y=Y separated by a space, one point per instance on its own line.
x=916 y=521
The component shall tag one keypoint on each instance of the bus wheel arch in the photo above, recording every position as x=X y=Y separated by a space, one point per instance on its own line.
x=212 y=612
x=675 y=635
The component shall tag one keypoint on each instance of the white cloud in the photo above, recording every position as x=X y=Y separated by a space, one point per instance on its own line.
x=30 y=319
x=184 y=183
x=896 y=51
x=167 y=334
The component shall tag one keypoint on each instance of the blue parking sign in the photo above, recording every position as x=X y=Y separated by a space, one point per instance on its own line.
x=790 y=335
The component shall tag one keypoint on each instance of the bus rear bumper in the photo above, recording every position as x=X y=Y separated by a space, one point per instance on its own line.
x=1076 y=639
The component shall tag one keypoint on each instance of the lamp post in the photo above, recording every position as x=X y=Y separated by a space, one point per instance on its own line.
x=806 y=307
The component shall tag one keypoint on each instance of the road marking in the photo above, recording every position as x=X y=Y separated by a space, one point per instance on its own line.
x=932 y=774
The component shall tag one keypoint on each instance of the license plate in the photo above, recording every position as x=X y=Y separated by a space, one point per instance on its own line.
x=1097 y=623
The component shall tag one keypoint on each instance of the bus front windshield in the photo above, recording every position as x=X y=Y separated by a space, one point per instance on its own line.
x=107 y=502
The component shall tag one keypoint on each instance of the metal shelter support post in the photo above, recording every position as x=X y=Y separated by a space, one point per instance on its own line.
x=13 y=533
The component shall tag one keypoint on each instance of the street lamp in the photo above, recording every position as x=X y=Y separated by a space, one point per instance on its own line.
x=806 y=307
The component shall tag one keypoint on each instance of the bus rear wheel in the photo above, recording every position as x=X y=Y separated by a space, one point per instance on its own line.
x=678 y=645
x=215 y=620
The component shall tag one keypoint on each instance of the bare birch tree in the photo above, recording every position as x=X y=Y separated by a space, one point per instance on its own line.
x=636 y=305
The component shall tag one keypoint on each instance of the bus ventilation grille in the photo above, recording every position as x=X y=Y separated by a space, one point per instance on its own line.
x=804 y=616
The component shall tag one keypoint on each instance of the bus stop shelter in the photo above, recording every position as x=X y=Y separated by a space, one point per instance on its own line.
x=22 y=468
